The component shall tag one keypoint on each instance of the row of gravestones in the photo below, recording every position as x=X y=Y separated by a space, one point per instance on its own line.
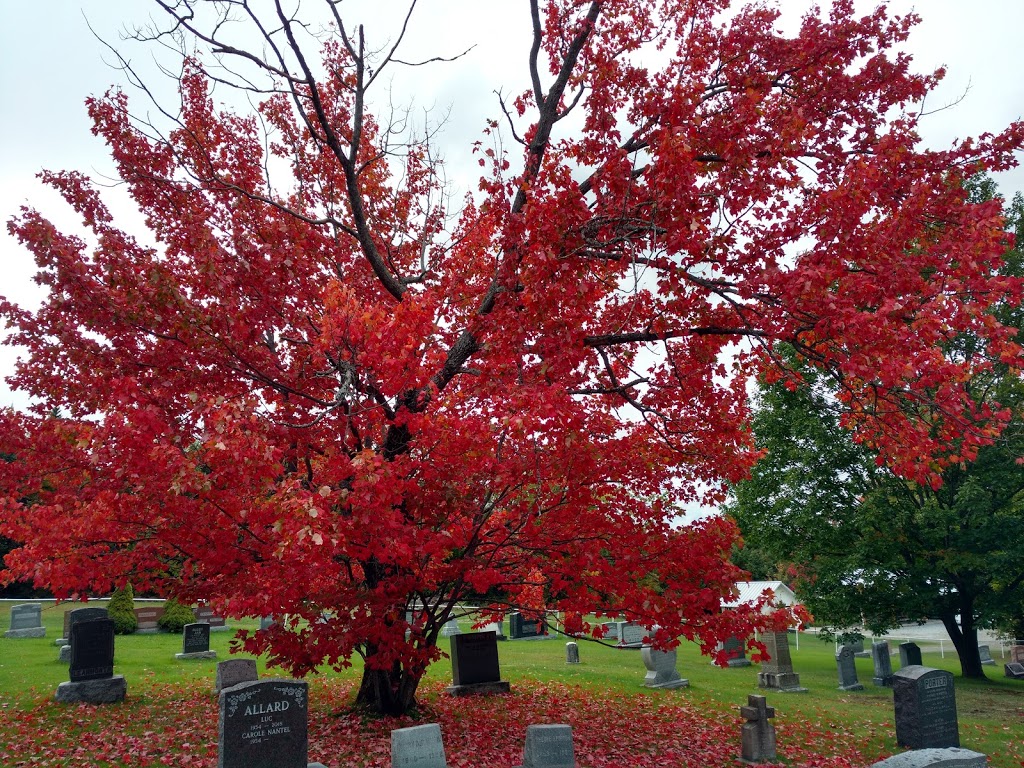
x=27 y=620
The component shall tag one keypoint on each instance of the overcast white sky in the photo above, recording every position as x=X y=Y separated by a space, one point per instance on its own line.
x=50 y=62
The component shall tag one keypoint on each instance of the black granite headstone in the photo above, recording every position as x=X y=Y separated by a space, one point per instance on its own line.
x=475 y=658
x=519 y=627
x=92 y=650
x=1014 y=670
x=81 y=614
x=925 y=706
x=195 y=638
x=264 y=725
x=910 y=654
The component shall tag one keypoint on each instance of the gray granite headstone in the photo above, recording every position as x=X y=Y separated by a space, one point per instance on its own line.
x=858 y=649
x=266 y=622
x=418 y=747
x=757 y=736
x=235 y=671
x=264 y=725
x=572 y=653
x=661 y=669
x=450 y=628
x=1014 y=670
x=986 y=656
x=631 y=635
x=777 y=671
x=26 y=621
x=883 y=664
x=910 y=655
x=611 y=630
x=948 y=757
x=548 y=746
x=475 y=664
x=925 y=705
x=847 y=667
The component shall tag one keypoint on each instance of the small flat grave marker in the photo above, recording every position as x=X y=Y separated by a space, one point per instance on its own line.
x=418 y=747
x=475 y=664
x=925 y=705
x=264 y=725
x=947 y=757
x=235 y=671
x=1014 y=670
x=548 y=746
x=26 y=621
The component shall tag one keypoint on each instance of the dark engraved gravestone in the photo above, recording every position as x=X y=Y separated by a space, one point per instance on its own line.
x=92 y=649
x=548 y=746
x=883 y=664
x=925 y=706
x=847 y=668
x=26 y=621
x=519 y=627
x=81 y=614
x=264 y=725
x=92 y=665
x=235 y=671
x=736 y=651
x=419 y=746
x=195 y=641
x=1014 y=670
x=475 y=664
x=910 y=655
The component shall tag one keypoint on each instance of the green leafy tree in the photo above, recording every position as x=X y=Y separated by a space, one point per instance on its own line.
x=175 y=617
x=872 y=548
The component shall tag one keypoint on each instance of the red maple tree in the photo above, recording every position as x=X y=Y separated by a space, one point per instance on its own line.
x=337 y=398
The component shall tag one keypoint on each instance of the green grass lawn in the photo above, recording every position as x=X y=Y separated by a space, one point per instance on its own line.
x=991 y=712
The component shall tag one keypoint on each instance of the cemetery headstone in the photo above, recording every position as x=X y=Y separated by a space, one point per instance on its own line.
x=148 y=620
x=1014 y=670
x=235 y=671
x=757 y=735
x=205 y=615
x=910 y=655
x=611 y=630
x=475 y=664
x=883 y=664
x=572 y=653
x=661 y=669
x=925 y=705
x=419 y=746
x=858 y=649
x=497 y=627
x=64 y=655
x=266 y=622
x=986 y=656
x=264 y=724
x=631 y=635
x=777 y=671
x=736 y=650
x=521 y=628
x=92 y=665
x=450 y=628
x=1017 y=653
x=947 y=757
x=26 y=621
x=195 y=642
x=847 y=667
x=80 y=614
x=548 y=746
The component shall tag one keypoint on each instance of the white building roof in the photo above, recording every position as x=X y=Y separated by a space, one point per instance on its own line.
x=749 y=591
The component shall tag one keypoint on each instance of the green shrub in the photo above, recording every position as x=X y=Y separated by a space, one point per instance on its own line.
x=122 y=611
x=175 y=617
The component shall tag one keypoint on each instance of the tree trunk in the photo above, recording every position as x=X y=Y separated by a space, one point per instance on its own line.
x=390 y=692
x=965 y=640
